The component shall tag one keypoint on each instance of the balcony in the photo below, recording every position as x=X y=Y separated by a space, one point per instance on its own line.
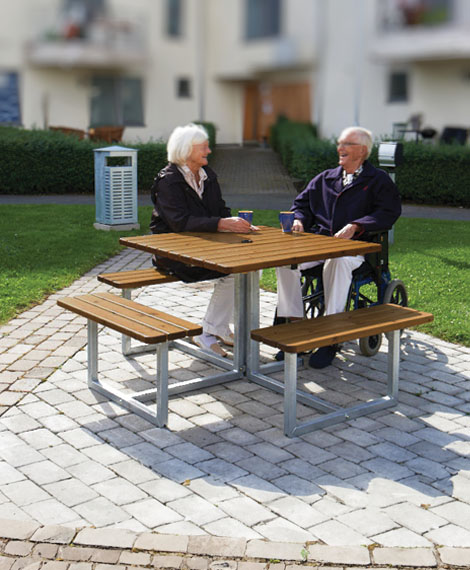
x=420 y=45
x=107 y=44
x=422 y=30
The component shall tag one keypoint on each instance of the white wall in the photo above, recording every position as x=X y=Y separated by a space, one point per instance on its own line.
x=329 y=42
x=442 y=92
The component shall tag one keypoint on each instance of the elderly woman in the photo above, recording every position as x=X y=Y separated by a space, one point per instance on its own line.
x=187 y=198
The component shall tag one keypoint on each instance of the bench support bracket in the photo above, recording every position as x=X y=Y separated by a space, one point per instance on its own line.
x=130 y=401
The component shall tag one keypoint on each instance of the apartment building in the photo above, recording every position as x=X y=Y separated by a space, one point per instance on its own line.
x=149 y=65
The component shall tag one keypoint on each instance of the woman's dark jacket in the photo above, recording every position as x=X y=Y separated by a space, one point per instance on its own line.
x=178 y=208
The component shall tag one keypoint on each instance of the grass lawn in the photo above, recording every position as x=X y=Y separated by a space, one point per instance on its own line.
x=45 y=248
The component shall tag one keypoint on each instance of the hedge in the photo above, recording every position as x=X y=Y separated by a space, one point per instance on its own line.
x=50 y=162
x=430 y=174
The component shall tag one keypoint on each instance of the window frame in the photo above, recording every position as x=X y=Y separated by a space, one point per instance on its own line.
x=398 y=93
x=174 y=18
x=11 y=92
x=115 y=101
x=259 y=22
x=179 y=91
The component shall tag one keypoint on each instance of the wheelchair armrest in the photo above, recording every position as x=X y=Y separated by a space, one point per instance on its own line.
x=378 y=261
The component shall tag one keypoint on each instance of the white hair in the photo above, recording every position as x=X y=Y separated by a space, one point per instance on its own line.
x=364 y=135
x=181 y=142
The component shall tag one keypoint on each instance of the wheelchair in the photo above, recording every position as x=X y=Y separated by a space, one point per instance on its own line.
x=371 y=285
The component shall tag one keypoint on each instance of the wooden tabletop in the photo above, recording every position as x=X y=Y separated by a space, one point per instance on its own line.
x=240 y=253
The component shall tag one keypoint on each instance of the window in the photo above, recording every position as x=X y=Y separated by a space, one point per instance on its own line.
x=116 y=101
x=183 y=88
x=174 y=18
x=9 y=99
x=398 y=87
x=263 y=18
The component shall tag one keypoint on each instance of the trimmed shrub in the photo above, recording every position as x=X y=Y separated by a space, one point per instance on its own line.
x=210 y=128
x=44 y=162
x=435 y=175
x=51 y=162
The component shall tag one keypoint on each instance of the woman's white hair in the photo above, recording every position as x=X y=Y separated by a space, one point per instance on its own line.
x=364 y=135
x=181 y=142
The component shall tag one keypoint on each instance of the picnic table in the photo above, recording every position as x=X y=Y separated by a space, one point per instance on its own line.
x=243 y=255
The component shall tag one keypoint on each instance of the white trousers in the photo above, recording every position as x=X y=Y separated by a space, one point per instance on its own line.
x=337 y=276
x=219 y=312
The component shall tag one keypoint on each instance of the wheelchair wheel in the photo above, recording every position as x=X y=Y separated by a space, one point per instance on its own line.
x=313 y=299
x=370 y=345
x=396 y=293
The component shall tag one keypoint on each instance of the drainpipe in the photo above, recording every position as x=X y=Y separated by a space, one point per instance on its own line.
x=200 y=32
x=360 y=51
x=318 y=74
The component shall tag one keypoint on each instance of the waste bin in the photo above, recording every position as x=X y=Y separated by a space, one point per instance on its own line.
x=116 y=188
x=390 y=156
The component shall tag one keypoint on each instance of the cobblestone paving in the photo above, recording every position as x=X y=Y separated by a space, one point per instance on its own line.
x=398 y=478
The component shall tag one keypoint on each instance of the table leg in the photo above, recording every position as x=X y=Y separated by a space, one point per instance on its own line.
x=240 y=322
x=252 y=320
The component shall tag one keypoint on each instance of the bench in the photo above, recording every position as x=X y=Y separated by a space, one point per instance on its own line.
x=128 y=280
x=301 y=336
x=137 y=321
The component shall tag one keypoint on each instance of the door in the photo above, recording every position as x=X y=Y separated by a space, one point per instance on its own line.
x=265 y=102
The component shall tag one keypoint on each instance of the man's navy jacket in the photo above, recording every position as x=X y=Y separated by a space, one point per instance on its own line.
x=371 y=200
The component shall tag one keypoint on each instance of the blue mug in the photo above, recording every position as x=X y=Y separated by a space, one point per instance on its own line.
x=287 y=220
x=246 y=215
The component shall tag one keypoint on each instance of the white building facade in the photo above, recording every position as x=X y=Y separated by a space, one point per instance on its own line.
x=149 y=65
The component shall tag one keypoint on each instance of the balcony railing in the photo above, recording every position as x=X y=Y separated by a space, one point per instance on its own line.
x=103 y=44
x=406 y=14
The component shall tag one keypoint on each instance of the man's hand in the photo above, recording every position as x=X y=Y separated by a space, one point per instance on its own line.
x=348 y=231
x=298 y=226
x=237 y=225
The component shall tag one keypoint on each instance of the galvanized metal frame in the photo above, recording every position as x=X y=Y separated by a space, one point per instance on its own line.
x=333 y=413
x=246 y=362
x=135 y=401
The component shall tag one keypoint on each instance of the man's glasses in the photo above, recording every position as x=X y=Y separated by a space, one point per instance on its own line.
x=342 y=143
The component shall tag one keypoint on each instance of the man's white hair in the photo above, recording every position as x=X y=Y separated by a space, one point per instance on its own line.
x=181 y=142
x=364 y=135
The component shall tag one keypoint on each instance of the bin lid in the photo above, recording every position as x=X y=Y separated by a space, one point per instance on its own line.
x=115 y=148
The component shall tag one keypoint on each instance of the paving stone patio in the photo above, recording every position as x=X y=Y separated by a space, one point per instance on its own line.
x=398 y=478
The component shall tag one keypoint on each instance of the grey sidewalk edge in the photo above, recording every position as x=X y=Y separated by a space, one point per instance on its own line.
x=21 y=539
x=277 y=200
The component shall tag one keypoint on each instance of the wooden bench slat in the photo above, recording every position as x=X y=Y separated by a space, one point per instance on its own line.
x=132 y=319
x=136 y=278
x=304 y=335
x=114 y=321
x=137 y=315
x=146 y=313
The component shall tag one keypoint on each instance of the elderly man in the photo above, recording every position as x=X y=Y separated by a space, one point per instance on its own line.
x=345 y=202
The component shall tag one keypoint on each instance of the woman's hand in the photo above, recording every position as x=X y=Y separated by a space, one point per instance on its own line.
x=297 y=226
x=237 y=225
